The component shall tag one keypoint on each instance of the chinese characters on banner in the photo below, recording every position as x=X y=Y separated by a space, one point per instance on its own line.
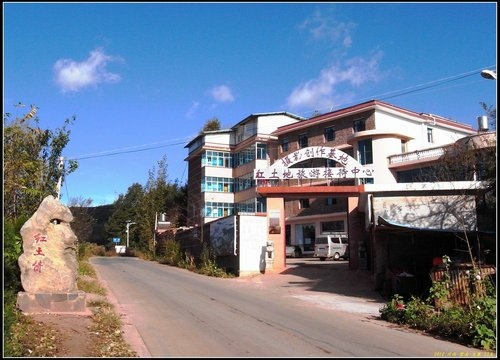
x=281 y=170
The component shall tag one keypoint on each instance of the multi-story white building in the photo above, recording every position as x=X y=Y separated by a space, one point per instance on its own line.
x=397 y=144
x=305 y=175
x=221 y=165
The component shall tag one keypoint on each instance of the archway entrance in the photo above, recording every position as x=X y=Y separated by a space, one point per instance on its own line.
x=270 y=184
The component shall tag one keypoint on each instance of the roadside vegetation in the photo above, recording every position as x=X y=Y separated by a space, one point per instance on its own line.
x=105 y=331
x=172 y=254
x=472 y=324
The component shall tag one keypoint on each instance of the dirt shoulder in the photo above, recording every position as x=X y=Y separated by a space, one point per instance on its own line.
x=74 y=331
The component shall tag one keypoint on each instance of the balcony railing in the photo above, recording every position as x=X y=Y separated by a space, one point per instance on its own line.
x=478 y=141
x=417 y=155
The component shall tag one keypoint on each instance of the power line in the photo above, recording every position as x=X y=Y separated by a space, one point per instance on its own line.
x=131 y=149
x=411 y=89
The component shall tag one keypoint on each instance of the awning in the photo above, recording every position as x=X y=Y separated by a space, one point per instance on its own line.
x=383 y=224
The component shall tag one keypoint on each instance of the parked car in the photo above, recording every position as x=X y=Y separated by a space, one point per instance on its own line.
x=293 y=251
x=331 y=246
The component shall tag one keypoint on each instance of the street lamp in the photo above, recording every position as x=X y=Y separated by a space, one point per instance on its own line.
x=489 y=74
x=128 y=225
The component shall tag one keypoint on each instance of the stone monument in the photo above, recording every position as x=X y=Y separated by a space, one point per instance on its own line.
x=48 y=264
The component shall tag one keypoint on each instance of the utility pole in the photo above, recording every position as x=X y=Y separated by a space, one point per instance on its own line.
x=60 y=166
x=154 y=234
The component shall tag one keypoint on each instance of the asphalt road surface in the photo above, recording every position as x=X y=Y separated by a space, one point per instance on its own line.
x=179 y=313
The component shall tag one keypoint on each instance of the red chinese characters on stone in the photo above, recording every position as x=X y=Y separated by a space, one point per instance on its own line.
x=39 y=251
x=40 y=238
x=37 y=266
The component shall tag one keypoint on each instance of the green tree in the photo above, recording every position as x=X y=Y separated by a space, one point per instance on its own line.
x=32 y=163
x=160 y=196
x=31 y=172
x=126 y=208
x=211 y=125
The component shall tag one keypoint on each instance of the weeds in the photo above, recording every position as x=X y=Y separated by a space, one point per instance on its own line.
x=22 y=344
x=206 y=265
x=105 y=332
x=472 y=324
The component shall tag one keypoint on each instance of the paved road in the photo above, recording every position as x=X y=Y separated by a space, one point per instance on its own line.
x=180 y=313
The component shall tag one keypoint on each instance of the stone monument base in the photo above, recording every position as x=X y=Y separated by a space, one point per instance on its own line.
x=70 y=302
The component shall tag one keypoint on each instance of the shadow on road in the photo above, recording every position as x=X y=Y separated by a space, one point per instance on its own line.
x=329 y=276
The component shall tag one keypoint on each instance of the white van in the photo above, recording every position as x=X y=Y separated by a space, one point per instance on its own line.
x=331 y=246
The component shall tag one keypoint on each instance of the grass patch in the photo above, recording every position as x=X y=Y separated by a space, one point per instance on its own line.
x=25 y=337
x=84 y=268
x=90 y=286
x=22 y=343
x=107 y=335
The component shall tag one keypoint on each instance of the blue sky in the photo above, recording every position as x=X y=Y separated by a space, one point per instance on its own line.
x=143 y=78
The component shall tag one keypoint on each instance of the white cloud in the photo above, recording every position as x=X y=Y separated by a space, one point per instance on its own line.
x=192 y=109
x=71 y=75
x=222 y=93
x=324 y=27
x=323 y=91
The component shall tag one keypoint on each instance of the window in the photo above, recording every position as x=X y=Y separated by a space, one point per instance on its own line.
x=365 y=154
x=330 y=201
x=330 y=163
x=304 y=203
x=245 y=156
x=404 y=146
x=284 y=145
x=359 y=125
x=302 y=141
x=262 y=151
x=218 y=159
x=332 y=226
x=218 y=209
x=244 y=182
x=216 y=184
x=329 y=133
x=261 y=204
x=430 y=138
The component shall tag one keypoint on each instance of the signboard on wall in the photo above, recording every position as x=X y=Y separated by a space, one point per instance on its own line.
x=274 y=221
x=282 y=170
x=222 y=236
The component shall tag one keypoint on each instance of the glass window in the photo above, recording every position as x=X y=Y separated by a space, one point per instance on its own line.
x=284 y=144
x=365 y=151
x=330 y=201
x=329 y=133
x=262 y=151
x=404 y=146
x=430 y=138
x=302 y=141
x=332 y=226
x=358 y=125
x=304 y=203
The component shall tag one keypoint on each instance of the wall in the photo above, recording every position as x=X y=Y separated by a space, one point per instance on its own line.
x=450 y=212
x=252 y=244
x=276 y=217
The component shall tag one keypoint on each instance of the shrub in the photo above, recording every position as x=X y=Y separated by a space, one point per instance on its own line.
x=473 y=324
x=87 y=250
x=209 y=265
x=393 y=311
x=172 y=254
